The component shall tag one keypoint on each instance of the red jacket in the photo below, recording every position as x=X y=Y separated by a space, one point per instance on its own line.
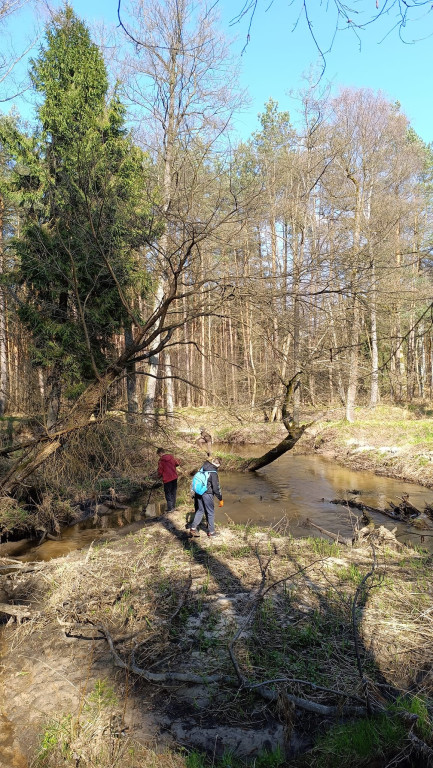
x=167 y=467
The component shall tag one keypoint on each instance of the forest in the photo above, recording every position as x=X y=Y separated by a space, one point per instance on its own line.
x=157 y=272
x=160 y=266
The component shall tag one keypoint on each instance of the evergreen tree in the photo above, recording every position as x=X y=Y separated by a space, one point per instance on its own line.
x=81 y=180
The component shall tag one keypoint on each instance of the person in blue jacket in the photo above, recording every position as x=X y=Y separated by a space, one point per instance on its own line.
x=204 y=505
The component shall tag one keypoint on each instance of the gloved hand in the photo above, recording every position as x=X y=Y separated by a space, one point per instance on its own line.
x=221 y=504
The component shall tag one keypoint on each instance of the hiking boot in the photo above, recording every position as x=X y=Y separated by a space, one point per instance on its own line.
x=215 y=533
x=194 y=533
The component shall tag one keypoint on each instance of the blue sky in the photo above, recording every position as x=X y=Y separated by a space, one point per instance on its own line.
x=277 y=56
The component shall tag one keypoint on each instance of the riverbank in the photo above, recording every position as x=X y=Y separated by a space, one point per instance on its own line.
x=155 y=651
x=395 y=442
x=390 y=440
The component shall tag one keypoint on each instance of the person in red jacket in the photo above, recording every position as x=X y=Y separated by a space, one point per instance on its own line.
x=167 y=471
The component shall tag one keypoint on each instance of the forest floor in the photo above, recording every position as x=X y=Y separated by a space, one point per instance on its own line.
x=152 y=650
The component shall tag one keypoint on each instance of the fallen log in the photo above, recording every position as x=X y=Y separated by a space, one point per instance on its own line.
x=251 y=465
x=353 y=504
x=294 y=432
x=404 y=510
x=336 y=536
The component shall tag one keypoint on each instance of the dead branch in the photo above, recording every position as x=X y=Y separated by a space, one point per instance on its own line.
x=336 y=536
x=162 y=677
x=251 y=465
x=422 y=749
x=187 y=677
x=308 y=705
x=7 y=565
x=309 y=684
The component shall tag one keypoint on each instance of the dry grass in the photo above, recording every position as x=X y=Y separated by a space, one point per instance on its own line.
x=173 y=606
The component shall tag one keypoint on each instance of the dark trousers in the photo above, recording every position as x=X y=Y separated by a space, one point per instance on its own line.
x=170 y=491
x=205 y=507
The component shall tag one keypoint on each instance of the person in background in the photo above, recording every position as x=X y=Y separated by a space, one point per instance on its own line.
x=205 y=439
x=167 y=471
x=204 y=505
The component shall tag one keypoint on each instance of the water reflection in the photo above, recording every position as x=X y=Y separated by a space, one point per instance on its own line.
x=295 y=488
x=78 y=536
x=301 y=487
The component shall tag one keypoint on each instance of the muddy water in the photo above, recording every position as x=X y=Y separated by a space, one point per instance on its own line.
x=78 y=536
x=301 y=487
x=293 y=488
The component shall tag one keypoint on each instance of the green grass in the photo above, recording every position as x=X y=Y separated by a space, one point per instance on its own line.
x=244 y=551
x=417 y=705
x=350 y=573
x=324 y=547
x=359 y=742
x=279 y=641
x=56 y=738
x=273 y=759
x=102 y=696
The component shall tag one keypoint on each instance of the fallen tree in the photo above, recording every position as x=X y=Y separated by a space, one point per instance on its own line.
x=294 y=432
x=149 y=340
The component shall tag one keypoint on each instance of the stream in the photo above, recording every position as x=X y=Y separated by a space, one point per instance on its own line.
x=300 y=487
x=292 y=489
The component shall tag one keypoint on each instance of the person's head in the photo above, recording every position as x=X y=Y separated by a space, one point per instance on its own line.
x=216 y=461
x=160 y=451
x=202 y=429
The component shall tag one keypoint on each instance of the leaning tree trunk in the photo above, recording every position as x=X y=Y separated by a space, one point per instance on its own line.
x=44 y=447
x=81 y=415
x=294 y=433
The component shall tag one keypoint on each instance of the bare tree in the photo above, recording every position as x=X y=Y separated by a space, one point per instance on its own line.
x=10 y=56
x=324 y=21
x=181 y=82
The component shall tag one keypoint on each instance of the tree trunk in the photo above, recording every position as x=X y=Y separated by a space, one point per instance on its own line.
x=54 y=396
x=169 y=396
x=286 y=445
x=131 y=378
x=188 y=365
x=374 y=393
x=149 y=399
x=294 y=433
x=3 y=338
x=355 y=324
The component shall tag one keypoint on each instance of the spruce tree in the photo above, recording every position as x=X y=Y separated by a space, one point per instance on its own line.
x=81 y=180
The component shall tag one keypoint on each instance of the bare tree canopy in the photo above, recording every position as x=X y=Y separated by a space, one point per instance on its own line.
x=400 y=16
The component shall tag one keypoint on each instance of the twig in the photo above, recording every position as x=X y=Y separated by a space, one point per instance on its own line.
x=162 y=677
x=261 y=593
x=336 y=536
x=316 y=687
x=182 y=599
